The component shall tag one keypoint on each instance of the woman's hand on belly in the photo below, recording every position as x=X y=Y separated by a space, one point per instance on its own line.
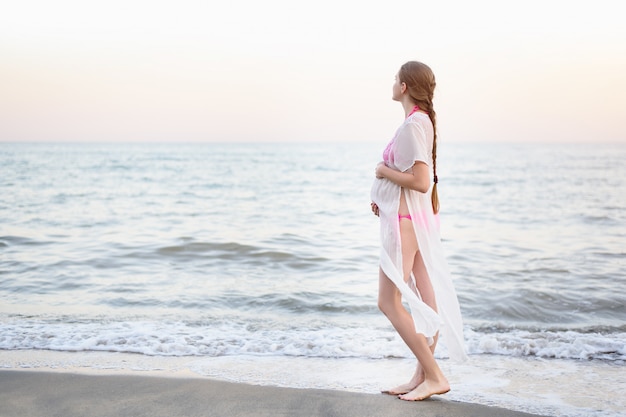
x=380 y=170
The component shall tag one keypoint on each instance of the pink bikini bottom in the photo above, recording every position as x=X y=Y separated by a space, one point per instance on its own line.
x=420 y=219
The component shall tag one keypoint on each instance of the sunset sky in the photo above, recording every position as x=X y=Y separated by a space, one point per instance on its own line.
x=278 y=70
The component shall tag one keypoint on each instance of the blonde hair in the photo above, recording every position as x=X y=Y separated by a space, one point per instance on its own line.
x=420 y=84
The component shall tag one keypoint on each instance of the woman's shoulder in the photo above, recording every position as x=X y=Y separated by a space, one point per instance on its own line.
x=417 y=124
x=418 y=118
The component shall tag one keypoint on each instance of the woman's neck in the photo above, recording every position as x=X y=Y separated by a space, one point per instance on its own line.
x=409 y=107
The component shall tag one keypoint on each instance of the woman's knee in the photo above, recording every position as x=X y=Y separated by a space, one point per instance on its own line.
x=387 y=305
x=383 y=305
x=389 y=297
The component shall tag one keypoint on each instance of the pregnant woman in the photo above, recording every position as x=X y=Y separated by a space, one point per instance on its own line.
x=412 y=262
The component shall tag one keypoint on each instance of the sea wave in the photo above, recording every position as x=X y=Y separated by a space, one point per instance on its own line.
x=289 y=253
x=567 y=344
x=265 y=337
x=233 y=251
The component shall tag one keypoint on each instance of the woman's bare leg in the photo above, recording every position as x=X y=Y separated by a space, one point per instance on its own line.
x=388 y=293
x=424 y=286
x=425 y=290
x=389 y=302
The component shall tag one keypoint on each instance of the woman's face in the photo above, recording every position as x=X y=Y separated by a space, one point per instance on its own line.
x=397 y=89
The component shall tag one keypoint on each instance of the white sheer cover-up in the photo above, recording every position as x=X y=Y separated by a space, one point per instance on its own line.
x=413 y=142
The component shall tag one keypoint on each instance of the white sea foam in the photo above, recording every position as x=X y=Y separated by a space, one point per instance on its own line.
x=176 y=338
x=549 y=344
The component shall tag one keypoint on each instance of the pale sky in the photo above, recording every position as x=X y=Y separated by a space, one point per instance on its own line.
x=284 y=70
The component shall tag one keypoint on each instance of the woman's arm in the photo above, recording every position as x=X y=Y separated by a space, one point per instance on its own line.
x=417 y=178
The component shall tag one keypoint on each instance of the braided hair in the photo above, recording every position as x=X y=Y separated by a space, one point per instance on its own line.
x=420 y=83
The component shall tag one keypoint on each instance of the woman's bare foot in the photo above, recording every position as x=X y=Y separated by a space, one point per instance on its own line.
x=416 y=380
x=426 y=389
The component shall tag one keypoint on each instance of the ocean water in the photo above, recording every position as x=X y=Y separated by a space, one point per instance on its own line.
x=258 y=263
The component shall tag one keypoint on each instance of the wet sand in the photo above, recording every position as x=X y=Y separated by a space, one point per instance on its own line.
x=34 y=393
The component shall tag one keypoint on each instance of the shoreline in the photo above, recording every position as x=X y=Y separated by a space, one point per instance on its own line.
x=534 y=386
x=52 y=393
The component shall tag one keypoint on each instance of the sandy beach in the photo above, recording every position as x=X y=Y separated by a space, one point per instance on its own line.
x=28 y=393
